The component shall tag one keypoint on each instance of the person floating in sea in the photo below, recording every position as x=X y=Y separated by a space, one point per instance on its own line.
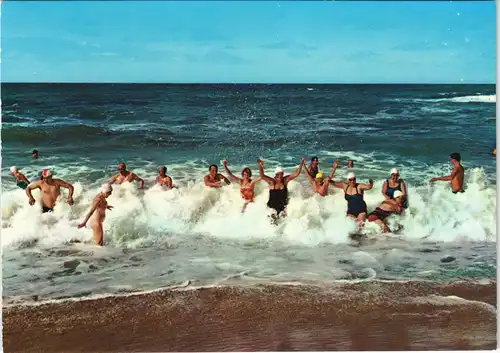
x=278 y=191
x=313 y=168
x=99 y=207
x=350 y=164
x=125 y=176
x=163 y=179
x=34 y=154
x=50 y=190
x=247 y=184
x=319 y=185
x=214 y=179
x=457 y=175
x=21 y=180
x=393 y=184
x=387 y=208
x=353 y=194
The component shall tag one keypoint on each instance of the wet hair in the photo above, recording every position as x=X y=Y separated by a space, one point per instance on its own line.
x=247 y=170
x=124 y=165
x=314 y=158
x=213 y=165
x=34 y=152
x=455 y=156
x=164 y=169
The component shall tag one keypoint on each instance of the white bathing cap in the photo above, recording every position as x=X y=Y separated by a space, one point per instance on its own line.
x=397 y=194
x=351 y=175
x=278 y=170
x=105 y=188
x=13 y=169
x=394 y=171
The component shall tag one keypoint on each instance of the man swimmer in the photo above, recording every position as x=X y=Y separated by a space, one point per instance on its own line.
x=50 y=190
x=320 y=186
x=246 y=184
x=387 y=208
x=99 y=207
x=214 y=179
x=278 y=188
x=457 y=175
x=34 y=154
x=163 y=179
x=21 y=180
x=125 y=176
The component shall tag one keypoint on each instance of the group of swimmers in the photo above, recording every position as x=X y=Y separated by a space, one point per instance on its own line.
x=393 y=189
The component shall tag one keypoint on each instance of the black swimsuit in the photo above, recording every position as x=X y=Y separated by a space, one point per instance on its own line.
x=278 y=199
x=355 y=203
x=380 y=213
x=46 y=209
x=390 y=192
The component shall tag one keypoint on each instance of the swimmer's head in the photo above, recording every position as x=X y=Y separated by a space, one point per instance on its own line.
x=106 y=189
x=455 y=157
x=162 y=171
x=46 y=174
x=278 y=172
x=314 y=161
x=34 y=154
x=13 y=170
x=350 y=164
x=246 y=172
x=121 y=167
x=213 y=169
x=319 y=177
x=394 y=173
x=351 y=177
x=398 y=193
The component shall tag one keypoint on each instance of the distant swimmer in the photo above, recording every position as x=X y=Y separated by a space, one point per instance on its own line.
x=278 y=191
x=393 y=184
x=34 y=154
x=163 y=179
x=313 y=168
x=21 y=180
x=214 y=179
x=353 y=194
x=319 y=185
x=99 y=208
x=350 y=164
x=387 y=208
x=494 y=151
x=457 y=175
x=125 y=176
x=50 y=190
x=247 y=185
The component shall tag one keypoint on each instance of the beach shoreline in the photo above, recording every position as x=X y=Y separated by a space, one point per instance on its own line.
x=370 y=315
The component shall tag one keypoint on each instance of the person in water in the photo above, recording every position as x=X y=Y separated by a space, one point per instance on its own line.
x=313 y=168
x=125 y=176
x=350 y=164
x=50 y=190
x=457 y=175
x=353 y=194
x=99 y=207
x=214 y=179
x=247 y=184
x=21 y=180
x=163 y=179
x=278 y=188
x=319 y=185
x=393 y=184
x=387 y=208
x=34 y=154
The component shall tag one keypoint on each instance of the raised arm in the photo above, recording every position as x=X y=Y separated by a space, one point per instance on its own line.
x=334 y=169
x=366 y=186
x=264 y=177
x=255 y=181
x=309 y=176
x=231 y=175
x=91 y=212
x=446 y=178
x=28 y=191
x=384 y=190
x=338 y=184
x=68 y=186
x=290 y=177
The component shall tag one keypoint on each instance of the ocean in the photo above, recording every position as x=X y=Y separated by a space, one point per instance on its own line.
x=196 y=237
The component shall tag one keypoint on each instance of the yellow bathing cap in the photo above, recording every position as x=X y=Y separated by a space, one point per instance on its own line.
x=319 y=175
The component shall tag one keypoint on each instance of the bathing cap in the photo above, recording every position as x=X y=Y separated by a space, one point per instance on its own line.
x=351 y=175
x=278 y=170
x=13 y=169
x=46 y=173
x=394 y=171
x=319 y=175
x=397 y=194
x=105 y=188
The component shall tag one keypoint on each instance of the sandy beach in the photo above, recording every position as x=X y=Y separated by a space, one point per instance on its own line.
x=363 y=316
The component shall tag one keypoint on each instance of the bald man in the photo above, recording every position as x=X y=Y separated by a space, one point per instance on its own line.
x=125 y=176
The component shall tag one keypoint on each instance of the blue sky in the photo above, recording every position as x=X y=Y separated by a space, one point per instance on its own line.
x=237 y=41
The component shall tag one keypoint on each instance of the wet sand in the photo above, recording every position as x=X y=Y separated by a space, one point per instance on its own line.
x=364 y=316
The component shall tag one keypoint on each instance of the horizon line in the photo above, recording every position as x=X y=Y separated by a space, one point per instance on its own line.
x=246 y=83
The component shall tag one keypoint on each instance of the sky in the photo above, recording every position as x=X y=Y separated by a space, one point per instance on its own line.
x=252 y=41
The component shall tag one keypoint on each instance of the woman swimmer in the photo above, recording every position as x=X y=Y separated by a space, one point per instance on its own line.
x=246 y=184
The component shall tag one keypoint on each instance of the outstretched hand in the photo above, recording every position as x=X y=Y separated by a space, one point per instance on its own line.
x=370 y=181
x=81 y=225
x=109 y=207
x=335 y=164
x=432 y=180
x=224 y=163
x=260 y=163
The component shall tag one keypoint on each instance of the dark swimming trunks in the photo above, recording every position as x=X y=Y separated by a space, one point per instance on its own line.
x=46 y=209
x=380 y=213
x=460 y=191
x=22 y=184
